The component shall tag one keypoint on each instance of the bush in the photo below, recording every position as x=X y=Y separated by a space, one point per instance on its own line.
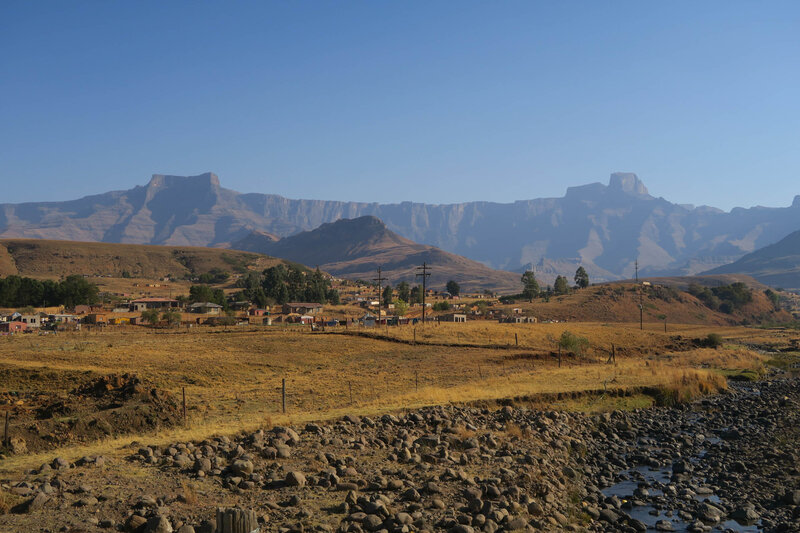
x=713 y=340
x=573 y=343
x=441 y=306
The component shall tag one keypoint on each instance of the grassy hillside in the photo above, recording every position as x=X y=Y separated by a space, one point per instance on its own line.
x=54 y=259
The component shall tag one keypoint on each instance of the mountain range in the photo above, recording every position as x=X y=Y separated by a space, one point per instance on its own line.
x=777 y=265
x=355 y=248
x=605 y=228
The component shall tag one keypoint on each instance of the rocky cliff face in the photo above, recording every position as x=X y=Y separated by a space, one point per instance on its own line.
x=604 y=227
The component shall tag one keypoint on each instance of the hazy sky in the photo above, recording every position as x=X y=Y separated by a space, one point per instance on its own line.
x=440 y=102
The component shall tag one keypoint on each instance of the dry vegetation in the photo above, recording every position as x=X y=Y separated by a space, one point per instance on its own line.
x=233 y=378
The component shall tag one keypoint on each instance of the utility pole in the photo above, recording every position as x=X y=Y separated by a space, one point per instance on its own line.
x=637 y=271
x=380 y=279
x=424 y=274
x=641 y=307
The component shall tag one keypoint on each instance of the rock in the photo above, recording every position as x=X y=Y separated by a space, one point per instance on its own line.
x=158 y=524
x=18 y=445
x=664 y=525
x=185 y=529
x=461 y=528
x=295 y=479
x=36 y=503
x=242 y=467
x=135 y=523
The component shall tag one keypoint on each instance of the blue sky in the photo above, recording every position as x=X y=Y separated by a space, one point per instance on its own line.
x=388 y=101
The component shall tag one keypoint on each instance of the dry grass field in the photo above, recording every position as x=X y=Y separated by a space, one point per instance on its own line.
x=232 y=378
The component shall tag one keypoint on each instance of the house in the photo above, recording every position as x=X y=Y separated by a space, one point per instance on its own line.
x=453 y=317
x=32 y=321
x=258 y=312
x=13 y=327
x=63 y=319
x=207 y=308
x=97 y=319
x=303 y=308
x=119 y=320
x=368 y=320
x=519 y=320
x=86 y=309
x=143 y=304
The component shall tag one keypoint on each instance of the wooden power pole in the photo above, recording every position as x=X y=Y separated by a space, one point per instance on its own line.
x=380 y=279
x=424 y=274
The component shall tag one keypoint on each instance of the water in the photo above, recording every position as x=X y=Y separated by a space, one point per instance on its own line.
x=648 y=514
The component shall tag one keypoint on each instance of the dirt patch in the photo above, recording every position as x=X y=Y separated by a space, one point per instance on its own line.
x=98 y=407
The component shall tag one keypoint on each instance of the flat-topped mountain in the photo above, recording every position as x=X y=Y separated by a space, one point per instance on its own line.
x=777 y=264
x=603 y=227
x=355 y=248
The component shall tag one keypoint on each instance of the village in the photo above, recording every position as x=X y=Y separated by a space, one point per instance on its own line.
x=360 y=306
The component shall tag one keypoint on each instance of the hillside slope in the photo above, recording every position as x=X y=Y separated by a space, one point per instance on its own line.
x=777 y=265
x=54 y=259
x=603 y=227
x=355 y=248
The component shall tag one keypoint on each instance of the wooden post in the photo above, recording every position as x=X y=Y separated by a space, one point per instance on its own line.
x=415 y=336
x=350 y=386
x=516 y=340
x=236 y=521
x=416 y=379
x=559 y=356
x=283 y=394
x=5 y=432
x=184 y=404
x=665 y=325
x=480 y=374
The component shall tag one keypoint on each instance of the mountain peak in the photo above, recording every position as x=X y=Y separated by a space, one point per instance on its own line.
x=627 y=182
x=208 y=179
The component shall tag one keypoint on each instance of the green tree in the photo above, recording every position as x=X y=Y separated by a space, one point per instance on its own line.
x=150 y=315
x=441 y=306
x=387 y=295
x=530 y=287
x=403 y=291
x=171 y=317
x=400 y=307
x=416 y=294
x=561 y=286
x=581 y=278
x=453 y=288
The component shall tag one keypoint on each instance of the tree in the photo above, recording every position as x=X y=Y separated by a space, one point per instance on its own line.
x=387 y=295
x=173 y=318
x=581 y=278
x=400 y=307
x=150 y=315
x=530 y=287
x=416 y=294
x=403 y=291
x=453 y=288
x=441 y=306
x=561 y=286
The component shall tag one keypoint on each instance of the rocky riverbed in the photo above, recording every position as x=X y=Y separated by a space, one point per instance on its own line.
x=726 y=463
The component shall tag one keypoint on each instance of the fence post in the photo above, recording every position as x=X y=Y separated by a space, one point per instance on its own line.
x=184 y=404
x=416 y=379
x=283 y=394
x=350 y=386
x=516 y=340
x=5 y=432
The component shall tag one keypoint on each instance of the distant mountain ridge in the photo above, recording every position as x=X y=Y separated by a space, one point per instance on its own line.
x=603 y=227
x=355 y=248
x=777 y=265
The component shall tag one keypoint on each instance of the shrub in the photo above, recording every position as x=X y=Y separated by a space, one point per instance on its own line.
x=713 y=340
x=573 y=343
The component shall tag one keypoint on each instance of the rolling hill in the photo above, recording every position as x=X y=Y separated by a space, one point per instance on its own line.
x=603 y=227
x=44 y=259
x=777 y=265
x=355 y=248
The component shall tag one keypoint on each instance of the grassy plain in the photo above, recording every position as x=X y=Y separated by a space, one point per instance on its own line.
x=233 y=377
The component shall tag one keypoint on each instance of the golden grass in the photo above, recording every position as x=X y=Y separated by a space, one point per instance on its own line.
x=233 y=379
